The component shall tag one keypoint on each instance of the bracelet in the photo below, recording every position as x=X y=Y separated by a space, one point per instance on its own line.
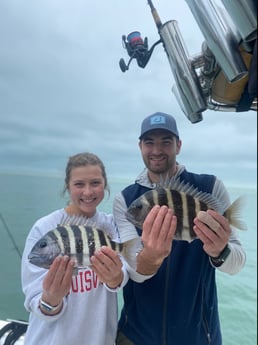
x=219 y=260
x=48 y=307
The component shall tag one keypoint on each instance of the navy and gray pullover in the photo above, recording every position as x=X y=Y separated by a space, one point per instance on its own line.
x=178 y=305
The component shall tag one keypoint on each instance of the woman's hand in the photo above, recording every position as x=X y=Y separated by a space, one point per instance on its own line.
x=57 y=282
x=107 y=265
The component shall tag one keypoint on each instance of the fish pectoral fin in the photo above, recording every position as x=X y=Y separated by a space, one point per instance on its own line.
x=130 y=250
x=208 y=220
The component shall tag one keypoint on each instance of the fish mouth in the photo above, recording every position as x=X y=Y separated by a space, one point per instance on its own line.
x=32 y=256
x=39 y=260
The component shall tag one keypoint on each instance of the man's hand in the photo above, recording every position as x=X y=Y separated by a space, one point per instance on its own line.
x=157 y=234
x=213 y=230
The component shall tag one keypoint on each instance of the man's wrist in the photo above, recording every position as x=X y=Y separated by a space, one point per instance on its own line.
x=219 y=260
x=147 y=265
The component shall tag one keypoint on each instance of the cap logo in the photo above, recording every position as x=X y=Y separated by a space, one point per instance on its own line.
x=157 y=119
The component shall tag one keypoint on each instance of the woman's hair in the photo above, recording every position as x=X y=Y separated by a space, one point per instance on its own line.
x=83 y=159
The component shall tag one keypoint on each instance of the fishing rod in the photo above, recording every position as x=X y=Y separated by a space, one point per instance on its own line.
x=155 y=15
x=10 y=235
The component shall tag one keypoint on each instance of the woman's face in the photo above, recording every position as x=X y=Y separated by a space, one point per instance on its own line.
x=86 y=188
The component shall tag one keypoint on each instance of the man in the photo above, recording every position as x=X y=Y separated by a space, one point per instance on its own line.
x=177 y=303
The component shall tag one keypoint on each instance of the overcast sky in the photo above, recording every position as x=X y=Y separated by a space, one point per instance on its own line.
x=62 y=91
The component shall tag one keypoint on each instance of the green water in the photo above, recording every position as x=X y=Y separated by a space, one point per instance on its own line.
x=23 y=199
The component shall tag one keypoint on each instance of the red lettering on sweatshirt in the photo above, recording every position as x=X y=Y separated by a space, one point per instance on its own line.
x=84 y=281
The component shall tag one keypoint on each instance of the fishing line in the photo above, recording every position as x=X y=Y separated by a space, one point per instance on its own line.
x=10 y=235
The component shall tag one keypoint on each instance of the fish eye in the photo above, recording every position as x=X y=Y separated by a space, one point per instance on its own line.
x=43 y=244
x=139 y=207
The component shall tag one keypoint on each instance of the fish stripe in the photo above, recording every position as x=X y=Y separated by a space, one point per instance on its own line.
x=160 y=197
x=177 y=202
x=170 y=202
x=112 y=244
x=185 y=214
x=57 y=237
x=71 y=239
x=156 y=198
x=103 y=240
x=53 y=236
x=79 y=245
x=193 y=205
x=91 y=241
x=64 y=238
x=85 y=246
x=118 y=247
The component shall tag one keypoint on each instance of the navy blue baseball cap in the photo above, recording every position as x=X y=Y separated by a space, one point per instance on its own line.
x=159 y=121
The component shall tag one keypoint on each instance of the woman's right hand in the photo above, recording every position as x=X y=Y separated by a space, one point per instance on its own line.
x=57 y=282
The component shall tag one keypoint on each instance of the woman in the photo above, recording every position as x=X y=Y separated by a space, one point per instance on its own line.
x=68 y=309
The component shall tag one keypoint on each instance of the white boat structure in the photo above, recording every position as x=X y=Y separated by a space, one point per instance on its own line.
x=12 y=332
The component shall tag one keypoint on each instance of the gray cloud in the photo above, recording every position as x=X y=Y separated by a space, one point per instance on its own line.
x=62 y=92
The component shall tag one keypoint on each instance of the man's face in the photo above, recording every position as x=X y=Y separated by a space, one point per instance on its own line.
x=159 y=149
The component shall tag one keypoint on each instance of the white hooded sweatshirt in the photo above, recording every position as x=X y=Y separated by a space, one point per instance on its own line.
x=89 y=312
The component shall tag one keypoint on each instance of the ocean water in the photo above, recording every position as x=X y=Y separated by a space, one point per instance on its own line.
x=25 y=198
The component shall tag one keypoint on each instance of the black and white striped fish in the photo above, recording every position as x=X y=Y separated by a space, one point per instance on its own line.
x=79 y=242
x=187 y=202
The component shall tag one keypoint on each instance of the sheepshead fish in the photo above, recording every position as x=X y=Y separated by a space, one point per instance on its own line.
x=79 y=242
x=187 y=202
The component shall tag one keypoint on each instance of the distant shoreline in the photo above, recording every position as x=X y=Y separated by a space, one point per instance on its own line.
x=125 y=180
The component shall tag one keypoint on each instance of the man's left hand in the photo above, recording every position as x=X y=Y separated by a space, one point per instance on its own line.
x=213 y=230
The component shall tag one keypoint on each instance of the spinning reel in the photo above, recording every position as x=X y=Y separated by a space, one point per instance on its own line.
x=137 y=48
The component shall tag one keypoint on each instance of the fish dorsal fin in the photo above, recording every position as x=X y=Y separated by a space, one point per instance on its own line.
x=176 y=184
x=164 y=182
x=75 y=219
x=79 y=220
x=189 y=189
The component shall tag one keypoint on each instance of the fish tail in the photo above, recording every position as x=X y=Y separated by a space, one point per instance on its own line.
x=130 y=250
x=233 y=214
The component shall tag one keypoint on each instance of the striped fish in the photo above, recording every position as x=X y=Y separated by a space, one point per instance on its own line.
x=79 y=242
x=187 y=202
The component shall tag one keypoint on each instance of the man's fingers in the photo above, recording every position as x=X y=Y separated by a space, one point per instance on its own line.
x=208 y=220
